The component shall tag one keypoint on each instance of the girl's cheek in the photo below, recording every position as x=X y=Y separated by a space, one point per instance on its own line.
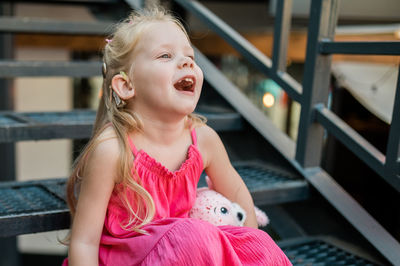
x=200 y=73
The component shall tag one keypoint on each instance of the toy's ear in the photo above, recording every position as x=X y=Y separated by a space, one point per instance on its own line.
x=261 y=217
x=200 y=190
x=209 y=183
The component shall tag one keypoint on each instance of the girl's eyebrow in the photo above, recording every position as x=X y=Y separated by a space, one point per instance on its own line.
x=160 y=48
x=167 y=46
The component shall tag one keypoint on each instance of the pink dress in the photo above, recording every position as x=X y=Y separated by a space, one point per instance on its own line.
x=175 y=239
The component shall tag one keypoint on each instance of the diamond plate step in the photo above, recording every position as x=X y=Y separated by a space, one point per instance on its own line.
x=52 y=26
x=77 y=124
x=75 y=69
x=30 y=207
x=317 y=251
x=269 y=184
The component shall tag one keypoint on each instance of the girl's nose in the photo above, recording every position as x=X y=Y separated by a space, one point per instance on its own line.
x=186 y=62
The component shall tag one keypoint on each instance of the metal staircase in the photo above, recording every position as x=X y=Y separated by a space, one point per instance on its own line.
x=290 y=174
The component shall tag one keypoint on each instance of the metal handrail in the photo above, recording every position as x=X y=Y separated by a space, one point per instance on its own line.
x=356 y=143
x=359 y=48
x=319 y=49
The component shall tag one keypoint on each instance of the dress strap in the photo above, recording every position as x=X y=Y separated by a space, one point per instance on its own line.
x=133 y=147
x=194 y=137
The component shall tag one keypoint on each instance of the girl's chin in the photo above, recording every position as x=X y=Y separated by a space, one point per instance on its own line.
x=186 y=111
x=187 y=106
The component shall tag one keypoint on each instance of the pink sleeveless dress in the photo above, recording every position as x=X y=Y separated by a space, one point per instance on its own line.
x=173 y=238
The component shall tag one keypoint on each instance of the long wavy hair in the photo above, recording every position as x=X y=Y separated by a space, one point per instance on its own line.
x=117 y=57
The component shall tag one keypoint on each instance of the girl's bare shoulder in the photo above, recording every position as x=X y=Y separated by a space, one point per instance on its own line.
x=107 y=143
x=209 y=143
x=105 y=153
x=206 y=135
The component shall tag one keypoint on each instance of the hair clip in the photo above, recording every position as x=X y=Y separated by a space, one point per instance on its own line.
x=118 y=100
x=108 y=40
x=104 y=69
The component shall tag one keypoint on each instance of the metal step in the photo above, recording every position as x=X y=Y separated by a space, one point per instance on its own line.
x=31 y=207
x=74 y=2
x=268 y=184
x=320 y=251
x=50 y=26
x=39 y=206
x=77 y=124
x=75 y=69
x=45 y=125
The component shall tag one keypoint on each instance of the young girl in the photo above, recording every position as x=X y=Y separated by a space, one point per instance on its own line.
x=135 y=182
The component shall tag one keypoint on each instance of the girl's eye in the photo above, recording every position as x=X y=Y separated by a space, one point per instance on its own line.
x=165 y=56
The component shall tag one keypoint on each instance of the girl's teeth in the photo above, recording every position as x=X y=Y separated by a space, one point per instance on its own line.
x=185 y=84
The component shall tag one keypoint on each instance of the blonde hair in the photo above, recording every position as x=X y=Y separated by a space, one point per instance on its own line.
x=117 y=56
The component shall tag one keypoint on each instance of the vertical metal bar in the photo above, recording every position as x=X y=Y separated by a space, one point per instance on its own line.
x=392 y=163
x=8 y=245
x=322 y=24
x=283 y=15
x=7 y=164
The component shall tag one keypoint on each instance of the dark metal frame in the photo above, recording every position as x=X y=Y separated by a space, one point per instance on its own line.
x=50 y=26
x=363 y=48
x=281 y=35
x=305 y=155
x=7 y=150
x=76 y=69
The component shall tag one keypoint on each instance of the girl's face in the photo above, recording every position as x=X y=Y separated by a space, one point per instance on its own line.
x=166 y=80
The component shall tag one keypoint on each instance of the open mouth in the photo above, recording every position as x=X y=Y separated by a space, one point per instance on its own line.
x=185 y=84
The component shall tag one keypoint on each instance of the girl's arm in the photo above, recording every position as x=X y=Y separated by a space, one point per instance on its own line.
x=96 y=188
x=224 y=177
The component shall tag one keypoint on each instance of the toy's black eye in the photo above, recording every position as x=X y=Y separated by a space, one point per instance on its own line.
x=240 y=216
x=224 y=210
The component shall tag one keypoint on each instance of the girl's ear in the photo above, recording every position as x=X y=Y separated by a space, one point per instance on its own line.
x=122 y=86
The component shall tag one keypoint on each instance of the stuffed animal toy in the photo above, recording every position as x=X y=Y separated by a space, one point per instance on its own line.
x=214 y=208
